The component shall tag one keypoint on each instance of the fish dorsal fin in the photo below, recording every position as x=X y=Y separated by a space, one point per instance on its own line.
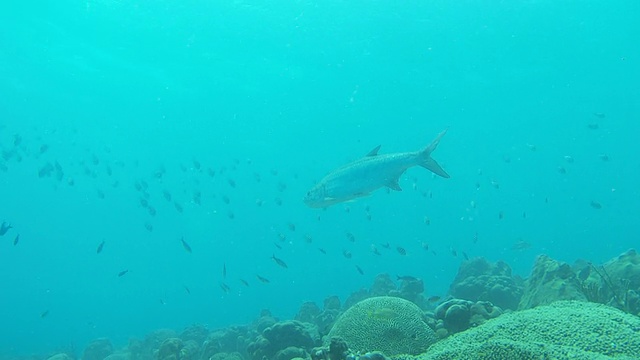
x=393 y=185
x=374 y=152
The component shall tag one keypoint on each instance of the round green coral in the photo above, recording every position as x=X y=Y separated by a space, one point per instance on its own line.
x=388 y=324
x=562 y=330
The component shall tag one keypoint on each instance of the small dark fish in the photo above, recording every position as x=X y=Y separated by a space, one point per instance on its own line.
x=100 y=247
x=232 y=183
x=454 y=252
x=375 y=250
x=308 y=238
x=279 y=262
x=521 y=245
x=44 y=314
x=224 y=270
x=407 y=278
x=122 y=273
x=278 y=246
x=464 y=254
x=263 y=279
x=322 y=251
x=599 y=115
x=604 y=157
x=401 y=251
x=167 y=195
x=347 y=254
x=434 y=298
x=4 y=228
x=475 y=237
x=16 y=240
x=386 y=245
x=583 y=275
x=148 y=226
x=359 y=270
x=185 y=245
x=178 y=207
x=351 y=237
x=501 y=215
x=596 y=205
x=186 y=289
x=593 y=126
x=225 y=287
x=425 y=246
x=244 y=282
x=524 y=214
x=562 y=170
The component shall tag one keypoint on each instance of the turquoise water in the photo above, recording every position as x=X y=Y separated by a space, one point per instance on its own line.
x=540 y=97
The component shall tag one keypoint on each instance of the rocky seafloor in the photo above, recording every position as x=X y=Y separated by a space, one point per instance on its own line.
x=561 y=311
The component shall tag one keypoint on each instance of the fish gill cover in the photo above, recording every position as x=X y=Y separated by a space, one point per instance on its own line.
x=155 y=154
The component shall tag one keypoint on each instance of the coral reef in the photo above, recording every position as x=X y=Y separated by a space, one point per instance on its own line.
x=562 y=330
x=388 y=324
x=170 y=349
x=231 y=340
x=146 y=349
x=324 y=319
x=98 y=349
x=410 y=289
x=456 y=315
x=61 y=356
x=550 y=281
x=276 y=341
x=480 y=280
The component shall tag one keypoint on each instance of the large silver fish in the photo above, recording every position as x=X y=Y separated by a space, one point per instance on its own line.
x=363 y=176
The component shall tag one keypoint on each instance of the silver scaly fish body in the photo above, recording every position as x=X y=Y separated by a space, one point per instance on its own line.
x=363 y=176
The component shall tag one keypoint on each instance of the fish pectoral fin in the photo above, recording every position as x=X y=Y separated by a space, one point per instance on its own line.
x=374 y=151
x=393 y=185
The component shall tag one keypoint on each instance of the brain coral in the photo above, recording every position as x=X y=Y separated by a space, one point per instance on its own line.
x=387 y=324
x=562 y=330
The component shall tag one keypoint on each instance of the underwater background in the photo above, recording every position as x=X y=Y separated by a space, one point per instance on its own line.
x=130 y=126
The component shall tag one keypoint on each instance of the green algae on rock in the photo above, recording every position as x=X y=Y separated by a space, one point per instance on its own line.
x=562 y=330
x=480 y=280
x=550 y=280
x=388 y=324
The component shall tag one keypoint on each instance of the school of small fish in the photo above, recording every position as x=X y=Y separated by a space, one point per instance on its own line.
x=350 y=182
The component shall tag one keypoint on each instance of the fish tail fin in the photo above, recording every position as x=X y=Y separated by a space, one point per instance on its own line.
x=428 y=162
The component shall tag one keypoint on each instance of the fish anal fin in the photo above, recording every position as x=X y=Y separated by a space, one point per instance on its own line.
x=374 y=151
x=393 y=185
